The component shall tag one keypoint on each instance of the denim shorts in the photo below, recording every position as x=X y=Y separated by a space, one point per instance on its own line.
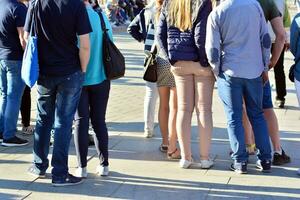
x=267 y=98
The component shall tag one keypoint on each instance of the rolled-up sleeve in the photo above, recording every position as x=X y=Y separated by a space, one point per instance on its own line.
x=265 y=41
x=212 y=44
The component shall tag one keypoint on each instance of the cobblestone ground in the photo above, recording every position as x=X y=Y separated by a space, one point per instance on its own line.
x=140 y=171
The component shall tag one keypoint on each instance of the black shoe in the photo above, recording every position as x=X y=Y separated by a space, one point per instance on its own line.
x=69 y=180
x=264 y=165
x=14 y=142
x=281 y=159
x=240 y=168
x=34 y=171
x=280 y=103
x=1 y=137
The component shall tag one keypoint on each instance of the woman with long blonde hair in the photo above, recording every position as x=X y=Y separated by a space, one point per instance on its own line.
x=181 y=34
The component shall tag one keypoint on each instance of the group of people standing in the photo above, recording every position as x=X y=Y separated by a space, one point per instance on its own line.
x=72 y=85
x=219 y=41
x=229 y=44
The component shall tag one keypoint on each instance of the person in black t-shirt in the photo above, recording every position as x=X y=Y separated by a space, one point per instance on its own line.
x=12 y=18
x=62 y=67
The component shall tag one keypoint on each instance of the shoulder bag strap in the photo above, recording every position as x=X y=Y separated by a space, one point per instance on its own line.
x=33 y=27
x=103 y=26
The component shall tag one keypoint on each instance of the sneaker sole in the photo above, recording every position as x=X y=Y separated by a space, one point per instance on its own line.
x=66 y=184
x=148 y=136
x=207 y=167
x=263 y=170
x=37 y=176
x=238 y=171
x=13 y=145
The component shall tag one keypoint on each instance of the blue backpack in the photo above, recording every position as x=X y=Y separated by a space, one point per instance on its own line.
x=30 y=64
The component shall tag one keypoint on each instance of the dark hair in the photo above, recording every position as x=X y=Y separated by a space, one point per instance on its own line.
x=94 y=3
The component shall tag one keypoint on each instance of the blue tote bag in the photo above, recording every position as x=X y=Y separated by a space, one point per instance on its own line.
x=30 y=64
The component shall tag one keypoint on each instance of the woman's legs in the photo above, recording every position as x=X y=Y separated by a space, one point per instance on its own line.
x=172 y=120
x=163 y=113
x=204 y=86
x=185 y=97
x=98 y=105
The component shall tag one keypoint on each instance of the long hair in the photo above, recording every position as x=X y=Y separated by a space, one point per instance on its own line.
x=159 y=4
x=180 y=14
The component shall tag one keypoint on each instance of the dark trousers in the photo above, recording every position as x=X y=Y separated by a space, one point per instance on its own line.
x=92 y=105
x=280 y=78
x=26 y=107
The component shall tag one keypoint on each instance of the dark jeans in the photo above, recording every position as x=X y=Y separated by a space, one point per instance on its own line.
x=92 y=104
x=232 y=91
x=57 y=102
x=280 y=78
x=26 y=107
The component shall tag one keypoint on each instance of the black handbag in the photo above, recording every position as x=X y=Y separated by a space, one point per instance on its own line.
x=151 y=66
x=113 y=59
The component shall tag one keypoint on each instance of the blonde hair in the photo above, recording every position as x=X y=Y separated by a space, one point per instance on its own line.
x=180 y=14
x=159 y=4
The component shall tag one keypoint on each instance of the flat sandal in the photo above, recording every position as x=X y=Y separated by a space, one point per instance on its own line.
x=172 y=155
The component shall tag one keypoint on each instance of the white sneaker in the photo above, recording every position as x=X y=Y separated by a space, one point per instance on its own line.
x=206 y=164
x=81 y=172
x=148 y=134
x=102 y=170
x=298 y=172
x=185 y=163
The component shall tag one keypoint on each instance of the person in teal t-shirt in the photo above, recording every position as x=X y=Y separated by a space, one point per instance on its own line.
x=93 y=100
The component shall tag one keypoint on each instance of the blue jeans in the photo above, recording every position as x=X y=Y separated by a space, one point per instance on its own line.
x=231 y=91
x=92 y=105
x=57 y=102
x=11 y=88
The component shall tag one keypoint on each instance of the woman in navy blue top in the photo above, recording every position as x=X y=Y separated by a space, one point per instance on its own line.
x=182 y=39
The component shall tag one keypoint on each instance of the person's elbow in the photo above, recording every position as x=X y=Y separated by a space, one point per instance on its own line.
x=213 y=55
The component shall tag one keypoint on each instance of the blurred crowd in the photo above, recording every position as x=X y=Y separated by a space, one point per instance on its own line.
x=123 y=11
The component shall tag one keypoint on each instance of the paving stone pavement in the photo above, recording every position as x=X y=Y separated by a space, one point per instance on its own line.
x=140 y=171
